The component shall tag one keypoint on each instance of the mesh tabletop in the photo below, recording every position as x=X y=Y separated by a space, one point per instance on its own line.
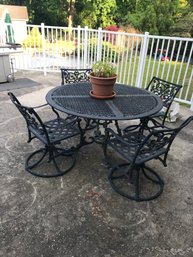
x=129 y=102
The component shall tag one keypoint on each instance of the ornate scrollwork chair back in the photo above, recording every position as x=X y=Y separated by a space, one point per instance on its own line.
x=167 y=91
x=33 y=120
x=154 y=143
x=70 y=76
x=50 y=133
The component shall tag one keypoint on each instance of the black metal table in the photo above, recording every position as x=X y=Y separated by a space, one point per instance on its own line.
x=129 y=102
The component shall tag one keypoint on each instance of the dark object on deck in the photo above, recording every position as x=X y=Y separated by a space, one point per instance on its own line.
x=14 y=45
x=133 y=179
x=11 y=45
x=50 y=133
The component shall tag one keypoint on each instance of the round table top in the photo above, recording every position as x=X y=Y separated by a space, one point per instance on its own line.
x=129 y=102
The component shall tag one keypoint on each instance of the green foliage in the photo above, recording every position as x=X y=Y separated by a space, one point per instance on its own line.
x=124 y=8
x=100 y=69
x=157 y=16
x=183 y=25
x=161 y=17
x=34 y=39
x=96 y=13
x=50 y=12
x=109 y=51
x=105 y=11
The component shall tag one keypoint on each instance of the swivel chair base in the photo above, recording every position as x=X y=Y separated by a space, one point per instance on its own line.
x=38 y=167
x=127 y=182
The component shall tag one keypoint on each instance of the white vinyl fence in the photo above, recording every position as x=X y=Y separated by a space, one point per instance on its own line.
x=137 y=57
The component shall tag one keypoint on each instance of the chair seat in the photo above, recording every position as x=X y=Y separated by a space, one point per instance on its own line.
x=128 y=151
x=58 y=129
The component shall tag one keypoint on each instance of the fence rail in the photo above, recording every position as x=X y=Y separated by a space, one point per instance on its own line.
x=137 y=57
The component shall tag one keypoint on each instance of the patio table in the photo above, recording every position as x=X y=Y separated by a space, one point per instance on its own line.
x=129 y=102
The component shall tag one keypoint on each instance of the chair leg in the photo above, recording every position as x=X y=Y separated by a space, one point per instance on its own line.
x=91 y=124
x=38 y=167
x=29 y=136
x=134 y=183
x=44 y=152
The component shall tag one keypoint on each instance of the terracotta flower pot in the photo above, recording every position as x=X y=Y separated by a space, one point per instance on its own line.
x=102 y=87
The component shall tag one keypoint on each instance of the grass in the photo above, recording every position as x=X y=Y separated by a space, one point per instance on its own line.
x=177 y=72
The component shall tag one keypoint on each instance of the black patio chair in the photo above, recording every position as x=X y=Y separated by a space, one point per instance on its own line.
x=167 y=91
x=133 y=179
x=51 y=133
x=70 y=76
x=74 y=75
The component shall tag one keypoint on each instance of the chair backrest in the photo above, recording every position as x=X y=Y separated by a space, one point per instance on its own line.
x=70 y=76
x=167 y=91
x=159 y=140
x=33 y=120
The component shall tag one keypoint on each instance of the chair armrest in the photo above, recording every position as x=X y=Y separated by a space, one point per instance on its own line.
x=43 y=105
x=131 y=128
x=111 y=133
x=39 y=106
x=155 y=125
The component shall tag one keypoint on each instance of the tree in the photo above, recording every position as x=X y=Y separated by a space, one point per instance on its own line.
x=184 y=20
x=96 y=13
x=155 y=16
x=71 y=12
x=50 y=12
x=124 y=8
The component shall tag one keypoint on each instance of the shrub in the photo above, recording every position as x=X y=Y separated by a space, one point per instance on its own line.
x=110 y=52
x=34 y=39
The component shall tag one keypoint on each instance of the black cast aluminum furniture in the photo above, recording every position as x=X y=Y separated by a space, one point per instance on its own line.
x=51 y=133
x=129 y=103
x=167 y=91
x=133 y=179
x=74 y=75
x=70 y=76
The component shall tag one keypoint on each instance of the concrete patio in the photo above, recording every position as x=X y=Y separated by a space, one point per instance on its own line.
x=79 y=214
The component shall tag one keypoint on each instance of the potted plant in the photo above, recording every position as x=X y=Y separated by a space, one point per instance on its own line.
x=103 y=78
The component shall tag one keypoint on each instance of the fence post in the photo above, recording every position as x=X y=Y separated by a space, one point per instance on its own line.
x=85 y=45
x=191 y=102
x=43 y=48
x=99 y=44
x=78 y=47
x=142 y=59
